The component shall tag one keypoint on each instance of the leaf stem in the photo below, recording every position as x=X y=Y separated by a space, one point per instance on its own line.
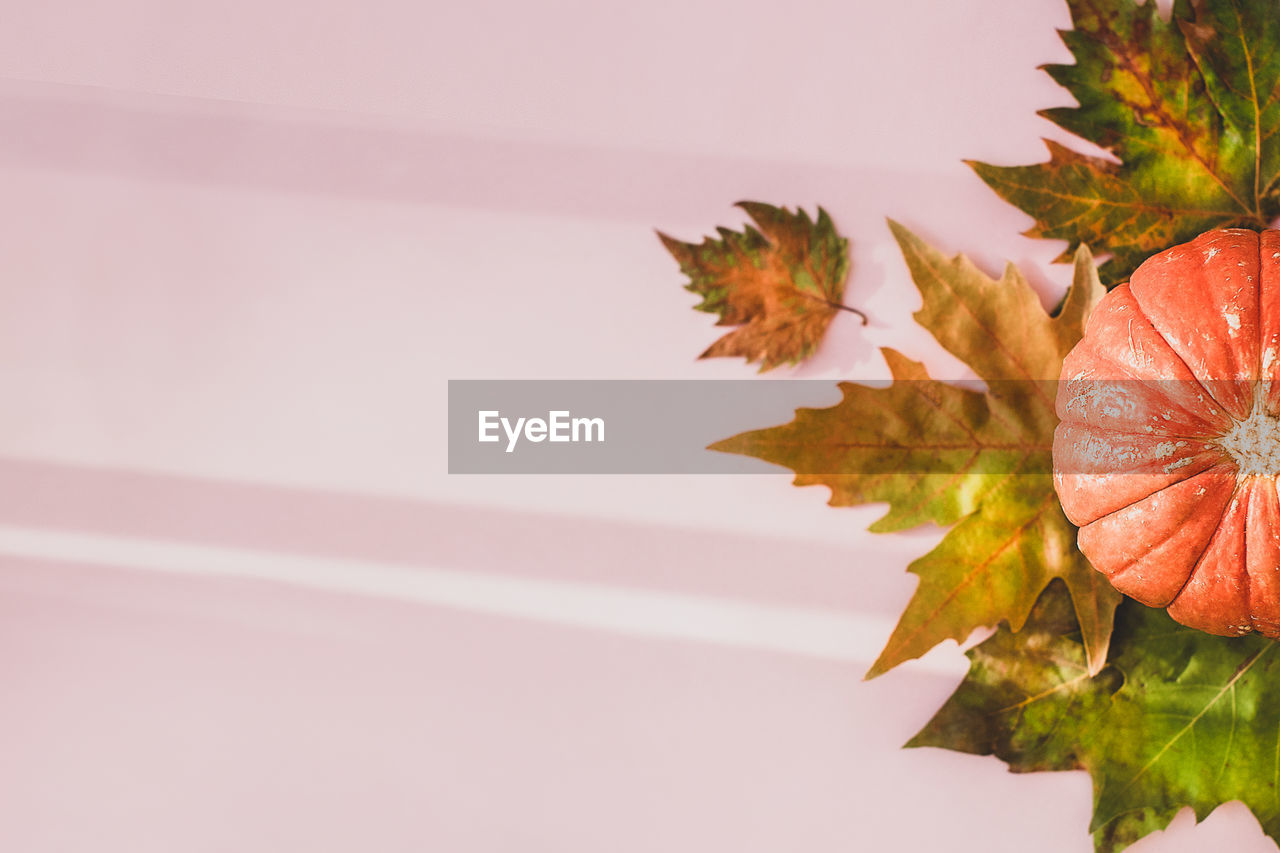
x=865 y=318
x=841 y=306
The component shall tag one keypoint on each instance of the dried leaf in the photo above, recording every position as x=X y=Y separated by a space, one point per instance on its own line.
x=943 y=453
x=780 y=284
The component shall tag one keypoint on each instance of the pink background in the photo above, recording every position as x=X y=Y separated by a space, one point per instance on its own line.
x=242 y=604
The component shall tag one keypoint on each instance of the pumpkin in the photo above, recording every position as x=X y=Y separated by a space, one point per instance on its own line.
x=1168 y=448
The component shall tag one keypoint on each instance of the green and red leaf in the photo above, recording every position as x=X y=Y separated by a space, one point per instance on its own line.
x=1188 y=106
x=780 y=283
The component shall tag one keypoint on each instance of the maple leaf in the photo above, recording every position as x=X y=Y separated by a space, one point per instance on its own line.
x=1178 y=718
x=1189 y=107
x=942 y=453
x=780 y=284
x=1001 y=707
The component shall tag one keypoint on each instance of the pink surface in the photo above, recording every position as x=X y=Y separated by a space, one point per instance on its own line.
x=248 y=243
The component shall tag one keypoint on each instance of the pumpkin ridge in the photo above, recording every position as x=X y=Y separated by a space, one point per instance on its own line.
x=1209 y=419
x=1130 y=376
x=1068 y=416
x=1264 y=582
x=1248 y=487
x=1207 y=542
x=1234 y=629
x=1109 y=537
x=1142 y=312
x=1188 y=277
x=1269 y=314
x=1257 y=295
x=1097 y=472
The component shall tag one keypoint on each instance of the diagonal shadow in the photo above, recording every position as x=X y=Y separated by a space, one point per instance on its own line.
x=50 y=496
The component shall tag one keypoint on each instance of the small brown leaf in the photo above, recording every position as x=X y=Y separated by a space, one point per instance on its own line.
x=780 y=284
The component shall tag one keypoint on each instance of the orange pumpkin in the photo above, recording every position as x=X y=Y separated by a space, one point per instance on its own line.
x=1168 y=449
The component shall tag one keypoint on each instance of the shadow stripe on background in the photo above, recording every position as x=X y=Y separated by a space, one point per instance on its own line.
x=239 y=144
x=641 y=580
x=809 y=632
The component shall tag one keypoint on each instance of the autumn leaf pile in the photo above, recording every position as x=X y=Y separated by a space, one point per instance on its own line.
x=1075 y=677
x=1010 y=537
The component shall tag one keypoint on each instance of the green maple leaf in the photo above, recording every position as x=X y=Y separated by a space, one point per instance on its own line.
x=780 y=283
x=1178 y=718
x=1003 y=706
x=1190 y=108
x=981 y=461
